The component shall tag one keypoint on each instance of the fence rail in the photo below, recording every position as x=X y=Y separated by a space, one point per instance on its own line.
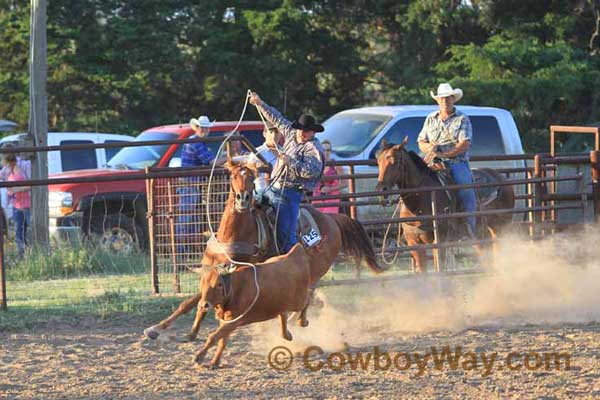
x=178 y=229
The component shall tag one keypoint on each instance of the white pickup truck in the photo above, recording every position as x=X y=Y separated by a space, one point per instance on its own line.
x=356 y=134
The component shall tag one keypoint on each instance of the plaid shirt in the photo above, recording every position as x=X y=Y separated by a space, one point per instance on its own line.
x=447 y=133
x=306 y=159
x=196 y=154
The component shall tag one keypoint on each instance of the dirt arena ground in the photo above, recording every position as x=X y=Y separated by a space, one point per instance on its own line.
x=543 y=300
x=115 y=362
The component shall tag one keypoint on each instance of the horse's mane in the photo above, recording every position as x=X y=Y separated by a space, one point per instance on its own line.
x=421 y=166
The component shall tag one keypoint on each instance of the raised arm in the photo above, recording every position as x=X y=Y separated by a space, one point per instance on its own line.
x=273 y=115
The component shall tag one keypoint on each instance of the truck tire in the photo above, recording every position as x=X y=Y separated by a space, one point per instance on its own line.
x=117 y=233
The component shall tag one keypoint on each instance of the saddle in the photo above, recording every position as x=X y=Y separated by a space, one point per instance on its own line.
x=485 y=195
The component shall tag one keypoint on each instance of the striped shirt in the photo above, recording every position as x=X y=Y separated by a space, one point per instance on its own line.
x=196 y=154
x=306 y=163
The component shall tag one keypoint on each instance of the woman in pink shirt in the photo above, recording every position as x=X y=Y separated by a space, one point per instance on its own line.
x=21 y=200
x=330 y=186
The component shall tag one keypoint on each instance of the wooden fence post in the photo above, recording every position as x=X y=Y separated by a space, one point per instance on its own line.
x=352 y=190
x=595 y=169
x=3 y=306
x=537 y=192
x=436 y=234
x=151 y=232
x=176 y=283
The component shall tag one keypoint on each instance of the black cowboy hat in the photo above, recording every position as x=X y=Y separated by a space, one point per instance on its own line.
x=307 y=123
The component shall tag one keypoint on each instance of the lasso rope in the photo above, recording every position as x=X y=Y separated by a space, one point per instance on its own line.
x=212 y=233
x=387 y=231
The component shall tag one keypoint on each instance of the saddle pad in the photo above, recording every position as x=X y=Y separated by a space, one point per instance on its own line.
x=489 y=193
x=306 y=222
x=486 y=194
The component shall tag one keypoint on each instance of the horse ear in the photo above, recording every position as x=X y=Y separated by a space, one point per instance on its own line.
x=401 y=145
x=384 y=144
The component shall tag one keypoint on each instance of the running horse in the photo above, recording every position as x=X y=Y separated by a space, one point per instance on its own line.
x=406 y=170
x=244 y=236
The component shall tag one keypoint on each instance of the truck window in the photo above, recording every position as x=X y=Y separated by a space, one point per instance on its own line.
x=405 y=127
x=110 y=152
x=487 y=137
x=78 y=159
x=255 y=137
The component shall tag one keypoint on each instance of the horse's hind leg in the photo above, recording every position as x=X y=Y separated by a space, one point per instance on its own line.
x=418 y=255
x=302 y=319
x=494 y=247
x=185 y=307
x=285 y=333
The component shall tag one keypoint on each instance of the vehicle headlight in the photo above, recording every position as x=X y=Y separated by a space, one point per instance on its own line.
x=60 y=203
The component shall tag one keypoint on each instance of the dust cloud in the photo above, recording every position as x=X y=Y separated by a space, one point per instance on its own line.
x=556 y=280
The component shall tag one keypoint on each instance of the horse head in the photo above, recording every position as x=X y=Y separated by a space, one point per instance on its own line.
x=242 y=185
x=390 y=162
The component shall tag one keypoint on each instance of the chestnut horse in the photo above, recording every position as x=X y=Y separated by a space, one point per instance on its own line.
x=404 y=169
x=238 y=236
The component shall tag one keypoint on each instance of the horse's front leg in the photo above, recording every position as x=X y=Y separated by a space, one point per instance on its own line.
x=222 y=332
x=185 y=307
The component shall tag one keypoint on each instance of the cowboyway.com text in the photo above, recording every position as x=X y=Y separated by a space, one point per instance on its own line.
x=440 y=359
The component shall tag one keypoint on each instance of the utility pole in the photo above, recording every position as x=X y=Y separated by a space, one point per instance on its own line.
x=38 y=121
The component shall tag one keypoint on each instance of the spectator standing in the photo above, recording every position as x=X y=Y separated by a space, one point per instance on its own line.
x=329 y=186
x=20 y=198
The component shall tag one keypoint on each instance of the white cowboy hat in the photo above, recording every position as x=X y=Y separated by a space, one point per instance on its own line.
x=445 y=90
x=202 y=122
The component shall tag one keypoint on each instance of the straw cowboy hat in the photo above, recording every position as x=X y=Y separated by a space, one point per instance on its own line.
x=445 y=90
x=202 y=122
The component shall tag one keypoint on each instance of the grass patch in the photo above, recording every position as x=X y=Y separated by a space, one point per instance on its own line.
x=73 y=262
x=109 y=307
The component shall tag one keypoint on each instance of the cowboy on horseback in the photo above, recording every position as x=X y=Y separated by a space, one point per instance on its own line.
x=299 y=167
x=446 y=137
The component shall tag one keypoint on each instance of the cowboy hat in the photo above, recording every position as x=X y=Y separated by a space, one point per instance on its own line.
x=445 y=90
x=202 y=122
x=307 y=123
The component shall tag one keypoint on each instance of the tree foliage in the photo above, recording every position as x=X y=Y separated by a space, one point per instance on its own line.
x=126 y=65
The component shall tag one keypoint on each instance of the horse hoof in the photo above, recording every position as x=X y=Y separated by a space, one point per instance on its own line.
x=214 y=366
x=288 y=336
x=198 y=357
x=190 y=337
x=151 y=333
x=303 y=323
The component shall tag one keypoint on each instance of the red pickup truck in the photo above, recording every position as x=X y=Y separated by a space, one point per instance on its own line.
x=116 y=211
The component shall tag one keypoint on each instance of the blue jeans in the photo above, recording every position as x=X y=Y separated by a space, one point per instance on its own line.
x=461 y=173
x=188 y=219
x=21 y=220
x=288 y=203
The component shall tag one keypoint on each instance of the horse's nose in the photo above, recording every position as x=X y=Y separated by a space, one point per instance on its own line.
x=380 y=186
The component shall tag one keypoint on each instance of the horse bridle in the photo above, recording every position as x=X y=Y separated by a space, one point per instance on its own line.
x=402 y=166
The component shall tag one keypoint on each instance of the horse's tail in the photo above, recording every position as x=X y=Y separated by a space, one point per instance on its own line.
x=355 y=241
